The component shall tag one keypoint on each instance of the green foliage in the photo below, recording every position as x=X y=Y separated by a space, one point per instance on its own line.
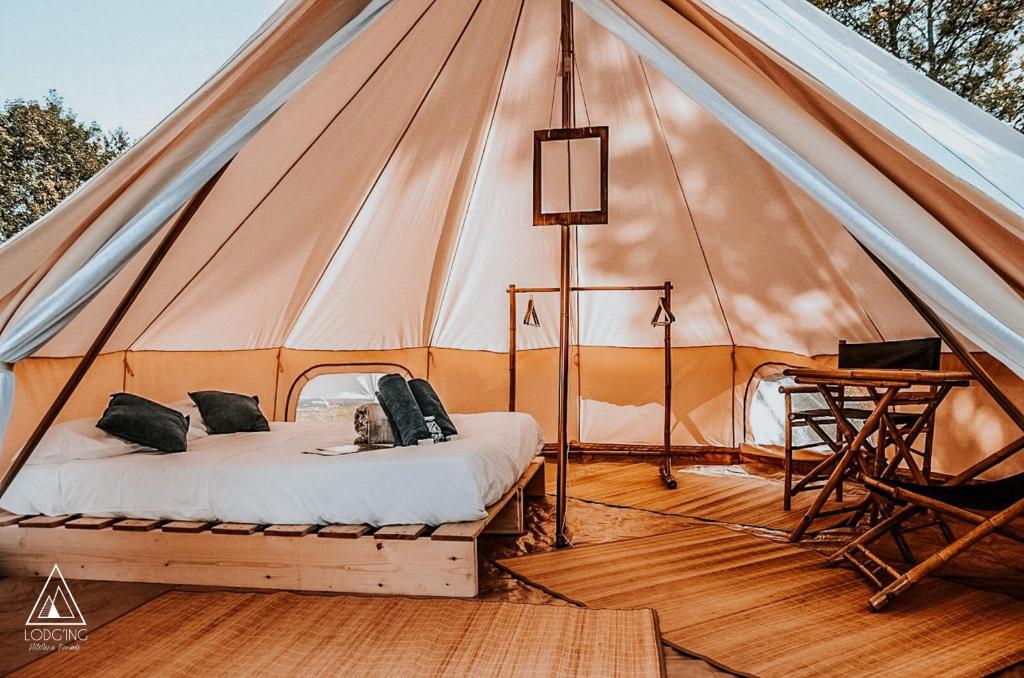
x=973 y=47
x=45 y=154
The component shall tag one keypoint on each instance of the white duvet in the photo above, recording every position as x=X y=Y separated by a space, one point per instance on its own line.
x=265 y=477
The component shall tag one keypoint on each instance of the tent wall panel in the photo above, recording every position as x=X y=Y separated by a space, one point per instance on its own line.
x=168 y=376
x=477 y=381
x=622 y=395
x=39 y=381
x=970 y=424
x=470 y=381
x=620 y=390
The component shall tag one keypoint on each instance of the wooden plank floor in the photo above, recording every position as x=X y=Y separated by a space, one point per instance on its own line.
x=771 y=609
x=722 y=497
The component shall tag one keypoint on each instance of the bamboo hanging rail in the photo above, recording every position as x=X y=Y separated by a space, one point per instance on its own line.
x=665 y=469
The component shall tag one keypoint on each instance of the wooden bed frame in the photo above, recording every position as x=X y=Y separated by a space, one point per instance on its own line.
x=397 y=559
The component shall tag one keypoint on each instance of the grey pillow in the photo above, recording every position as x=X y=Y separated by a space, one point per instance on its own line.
x=407 y=423
x=229 y=412
x=144 y=422
x=431 y=406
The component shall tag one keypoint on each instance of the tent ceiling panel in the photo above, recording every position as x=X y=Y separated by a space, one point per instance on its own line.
x=958 y=136
x=914 y=154
x=279 y=253
x=497 y=245
x=649 y=237
x=387 y=204
x=252 y=176
x=932 y=261
x=383 y=268
x=781 y=263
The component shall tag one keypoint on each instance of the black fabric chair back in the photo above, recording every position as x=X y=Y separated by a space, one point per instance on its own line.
x=910 y=354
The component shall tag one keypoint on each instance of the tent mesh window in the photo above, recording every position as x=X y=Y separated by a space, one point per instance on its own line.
x=335 y=397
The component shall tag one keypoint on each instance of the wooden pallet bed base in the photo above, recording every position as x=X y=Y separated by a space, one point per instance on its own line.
x=391 y=560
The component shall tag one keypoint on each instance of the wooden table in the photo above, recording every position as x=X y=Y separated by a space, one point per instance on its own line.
x=886 y=389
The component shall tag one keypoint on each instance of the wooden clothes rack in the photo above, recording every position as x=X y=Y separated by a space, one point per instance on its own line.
x=665 y=468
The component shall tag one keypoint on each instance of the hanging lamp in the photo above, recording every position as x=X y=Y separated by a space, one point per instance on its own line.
x=531 y=319
x=663 y=317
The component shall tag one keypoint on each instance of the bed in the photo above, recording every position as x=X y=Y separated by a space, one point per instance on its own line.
x=267 y=478
x=394 y=520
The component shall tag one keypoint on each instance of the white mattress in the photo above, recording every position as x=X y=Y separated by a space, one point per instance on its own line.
x=265 y=478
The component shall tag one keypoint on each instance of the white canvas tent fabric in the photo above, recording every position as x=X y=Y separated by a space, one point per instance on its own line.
x=381 y=210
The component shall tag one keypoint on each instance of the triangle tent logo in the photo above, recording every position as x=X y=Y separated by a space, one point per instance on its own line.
x=55 y=606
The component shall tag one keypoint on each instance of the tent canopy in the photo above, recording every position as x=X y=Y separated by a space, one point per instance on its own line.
x=380 y=204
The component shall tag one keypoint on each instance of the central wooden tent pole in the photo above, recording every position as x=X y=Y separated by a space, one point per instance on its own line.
x=564 y=286
x=108 y=330
x=512 y=318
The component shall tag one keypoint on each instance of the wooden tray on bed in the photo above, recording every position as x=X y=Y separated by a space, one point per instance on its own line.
x=396 y=559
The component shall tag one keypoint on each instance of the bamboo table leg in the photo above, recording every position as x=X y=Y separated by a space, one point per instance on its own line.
x=852 y=452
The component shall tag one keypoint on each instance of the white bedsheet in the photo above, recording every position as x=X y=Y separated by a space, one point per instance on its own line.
x=265 y=478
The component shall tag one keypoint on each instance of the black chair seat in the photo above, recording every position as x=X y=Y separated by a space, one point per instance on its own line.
x=856 y=413
x=994 y=495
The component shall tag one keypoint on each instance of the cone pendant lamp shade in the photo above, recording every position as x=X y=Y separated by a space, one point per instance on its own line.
x=662 y=316
x=530 y=318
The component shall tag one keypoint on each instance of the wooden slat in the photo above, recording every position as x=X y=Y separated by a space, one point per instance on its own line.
x=89 y=523
x=531 y=482
x=400 y=532
x=344 y=531
x=44 y=521
x=288 y=530
x=511 y=518
x=185 y=526
x=235 y=528
x=136 y=525
x=466 y=531
x=7 y=518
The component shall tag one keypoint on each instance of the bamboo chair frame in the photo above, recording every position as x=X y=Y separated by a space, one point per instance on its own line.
x=891 y=582
x=900 y=429
x=856 y=456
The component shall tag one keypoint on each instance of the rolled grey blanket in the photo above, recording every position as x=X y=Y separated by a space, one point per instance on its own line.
x=407 y=423
x=430 y=405
x=372 y=426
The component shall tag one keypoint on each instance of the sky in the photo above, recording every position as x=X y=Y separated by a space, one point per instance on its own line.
x=121 y=63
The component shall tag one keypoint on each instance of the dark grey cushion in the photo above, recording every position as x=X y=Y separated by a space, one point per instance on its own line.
x=403 y=412
x=431 y=406
x=229 y=412
x=144 y=422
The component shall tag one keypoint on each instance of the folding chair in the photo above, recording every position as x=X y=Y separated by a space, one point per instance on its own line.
x=912 y=354
x=990 y=506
